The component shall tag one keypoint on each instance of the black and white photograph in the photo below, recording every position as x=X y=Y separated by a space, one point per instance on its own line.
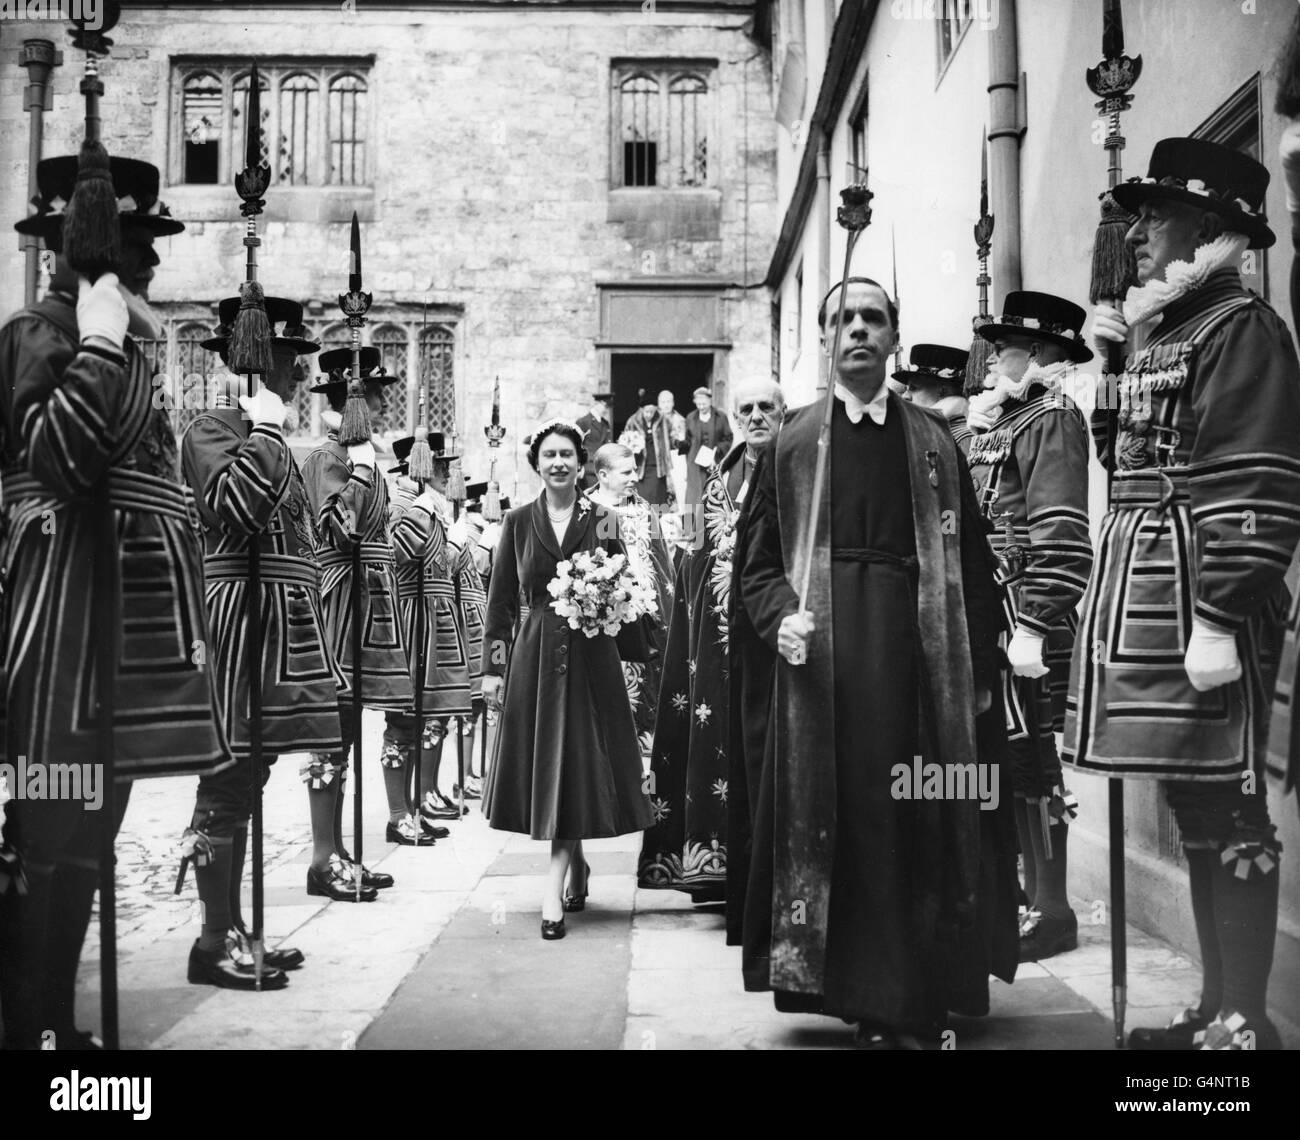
x=715 y=526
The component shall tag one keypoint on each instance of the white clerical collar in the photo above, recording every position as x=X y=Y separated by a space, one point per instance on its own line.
x=856 y=409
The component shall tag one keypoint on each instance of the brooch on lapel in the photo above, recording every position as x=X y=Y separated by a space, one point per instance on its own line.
x=932 y=458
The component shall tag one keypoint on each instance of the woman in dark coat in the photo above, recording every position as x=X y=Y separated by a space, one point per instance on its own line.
x=567 y=763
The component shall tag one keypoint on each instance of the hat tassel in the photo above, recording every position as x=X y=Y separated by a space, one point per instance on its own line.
x=419 y=462
x=492 y=503
x=250 y=336
x=456 y=483
x=355 y=427
x=1113 y=266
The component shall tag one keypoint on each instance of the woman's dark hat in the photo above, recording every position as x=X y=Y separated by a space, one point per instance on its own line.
x=338 y=361
x=279 y=310
x=934 y=364
x=1043 y=317
x=1209 y=176
x=134 y=182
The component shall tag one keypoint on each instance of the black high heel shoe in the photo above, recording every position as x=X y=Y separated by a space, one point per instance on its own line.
x=552 y=931
x=574 y=903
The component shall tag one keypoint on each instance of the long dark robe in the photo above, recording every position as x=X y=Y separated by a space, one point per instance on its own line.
x=859 y=904
x=687 y=849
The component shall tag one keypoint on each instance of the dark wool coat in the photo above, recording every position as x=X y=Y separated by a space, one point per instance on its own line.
x=567 y=762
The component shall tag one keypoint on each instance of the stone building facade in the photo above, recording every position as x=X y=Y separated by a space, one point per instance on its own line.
x=556 y=194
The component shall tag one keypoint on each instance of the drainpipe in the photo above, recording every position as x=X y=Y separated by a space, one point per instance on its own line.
x=40 y=58
x=824 y=228
x=1005 y=130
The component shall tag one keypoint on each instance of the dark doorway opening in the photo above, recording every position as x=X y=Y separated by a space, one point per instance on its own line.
x=653 y=372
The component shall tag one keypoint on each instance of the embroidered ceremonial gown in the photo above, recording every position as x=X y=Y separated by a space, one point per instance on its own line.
x=686 y=849
x=1031 y=473
x=68 y=419
x=1203 y=521
x=473 y=613
x=417 y=531
x=860 y=904
x=247 y=482
x=350 y=507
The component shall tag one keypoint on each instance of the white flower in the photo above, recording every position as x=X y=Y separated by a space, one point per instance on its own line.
x=719 y=789
x=680 y=702
x=703 y=712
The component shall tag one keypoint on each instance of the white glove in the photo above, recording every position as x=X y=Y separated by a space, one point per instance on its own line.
x=101 y=310
x=362 y=454
x=264 y=408
x=406 y=483
x=792 y=636
x=1211 y=658
x=983 y=419
x=1288 y=149
x=1108 y=327
x=458 y=534
x=1025 y=652
x=426 y=501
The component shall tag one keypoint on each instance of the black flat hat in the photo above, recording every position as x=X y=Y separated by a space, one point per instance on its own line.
x=134 y=182
x=338 y=362
x=279 y=310
x=934 y=364
x=437 y=445
x=1209 y=176
x=1044 y=317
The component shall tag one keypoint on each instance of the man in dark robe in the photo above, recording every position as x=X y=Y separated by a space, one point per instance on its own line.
x=862 y=899
x=597 y=430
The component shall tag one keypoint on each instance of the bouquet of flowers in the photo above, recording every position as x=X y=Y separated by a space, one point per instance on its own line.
x=598 y=592
x=633 y=439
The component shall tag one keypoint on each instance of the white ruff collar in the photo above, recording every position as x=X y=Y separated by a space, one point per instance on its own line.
x=1181 y=277
x=1049 y=375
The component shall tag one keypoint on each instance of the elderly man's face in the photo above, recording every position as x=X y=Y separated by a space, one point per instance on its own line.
x=703 y=400
x=135 y=269
x=1011 y=358
x=759 y=408
x=1164 y=232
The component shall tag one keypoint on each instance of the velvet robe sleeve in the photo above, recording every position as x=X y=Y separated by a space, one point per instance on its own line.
x=1244 y=469
x=766 y=592
x=982 y=595
x=64 y=407
x=338 y=495
x=503 y=602
x=241 y=480
x=1052 y=456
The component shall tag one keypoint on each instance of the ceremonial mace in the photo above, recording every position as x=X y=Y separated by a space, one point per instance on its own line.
x=456 y=492
x=1113 y=272
x=977 y=361
x=92 y=246
x=249 y=354
x=356 y=429
x=854 y=215
x=898 y=303
x=492 y=513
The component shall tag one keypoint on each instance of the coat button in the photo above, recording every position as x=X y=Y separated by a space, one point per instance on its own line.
x=563 y=669
x=564 y=649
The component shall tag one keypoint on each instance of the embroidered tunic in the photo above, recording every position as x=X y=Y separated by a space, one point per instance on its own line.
x=67 y=419
x=350 y=507
x=473 y=614
x=1031 y=472
x=416 y=531
x=247 y=482
x=1203 y=521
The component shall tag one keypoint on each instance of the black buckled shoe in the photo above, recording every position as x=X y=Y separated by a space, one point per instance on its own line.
x=239 y=946
x=217 y=968
x=1042 y=938
x=437 y=806
x=379 y=880
x=404 y=833
x=552 y=931
x=1177 y=1036
x=334 y=883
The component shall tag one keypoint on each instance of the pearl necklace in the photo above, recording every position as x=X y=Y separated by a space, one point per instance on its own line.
x=562 y=516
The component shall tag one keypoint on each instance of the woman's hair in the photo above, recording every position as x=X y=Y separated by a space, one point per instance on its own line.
x=610 y=454
x=570 y=432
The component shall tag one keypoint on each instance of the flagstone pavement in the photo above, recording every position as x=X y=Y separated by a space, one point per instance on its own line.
x=451 y=957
